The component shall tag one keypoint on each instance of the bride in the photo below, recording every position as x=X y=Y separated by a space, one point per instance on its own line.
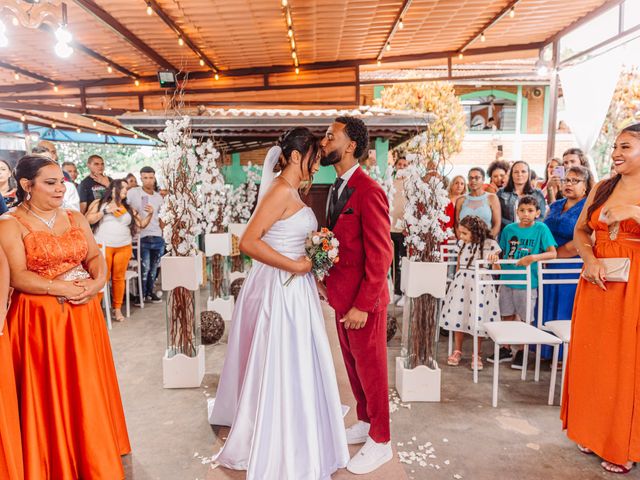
x=278 y=388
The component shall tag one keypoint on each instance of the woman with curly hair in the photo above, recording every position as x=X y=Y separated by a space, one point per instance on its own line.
x=475 y=243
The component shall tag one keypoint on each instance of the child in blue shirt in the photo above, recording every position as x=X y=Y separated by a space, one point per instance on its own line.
x=528 y=242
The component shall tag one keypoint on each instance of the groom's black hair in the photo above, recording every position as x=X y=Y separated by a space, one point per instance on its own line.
x=356 y=130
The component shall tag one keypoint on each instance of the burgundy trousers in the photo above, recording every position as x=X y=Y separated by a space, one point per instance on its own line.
x=365 y=356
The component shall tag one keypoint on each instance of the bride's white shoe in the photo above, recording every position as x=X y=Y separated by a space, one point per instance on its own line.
x=358 y=433
x=370 y=457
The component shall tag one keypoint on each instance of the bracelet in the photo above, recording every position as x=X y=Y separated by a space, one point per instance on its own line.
x=588 y=245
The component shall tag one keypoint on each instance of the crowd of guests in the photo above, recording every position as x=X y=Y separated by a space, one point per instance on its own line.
x=52 y=231
x=566 y=215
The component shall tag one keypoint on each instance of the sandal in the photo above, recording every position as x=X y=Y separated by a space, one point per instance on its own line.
x=479 y=360
x=454 y=358
x=615 y=468
x=118 y=319
x=584 y=450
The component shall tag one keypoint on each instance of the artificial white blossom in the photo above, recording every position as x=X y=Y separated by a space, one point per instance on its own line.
x=241 y=199
x=385 y=181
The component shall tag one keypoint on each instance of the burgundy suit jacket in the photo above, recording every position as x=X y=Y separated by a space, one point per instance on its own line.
x=363 y=229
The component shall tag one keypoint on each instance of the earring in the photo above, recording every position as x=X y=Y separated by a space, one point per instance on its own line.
x=28 y=196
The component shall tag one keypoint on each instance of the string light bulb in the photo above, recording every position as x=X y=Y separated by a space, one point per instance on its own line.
x=216 y=76
x=388 y=47
x=95 y=124
x=379 y=62
x=201 y=62
x=65 y=114
x=110 y=69
x=293 y=44
x=460 y=56
x=137 y=83
x=401 y=24
x=512 y=12
x=180 y=41
x=117 y=131
x=135 y=135
x=16 y=76
x=78 y=130
x=149 y=10
x=22 y=118
x=285 y=3
x=483 y=38
x=55 y=88
x=294 y=54
x=290 y=32
x=53 y=125
x=297 y=71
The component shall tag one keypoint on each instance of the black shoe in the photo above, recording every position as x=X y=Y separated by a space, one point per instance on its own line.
x=153 y=298
x=504 y=356
x=136 y=301
x=443 y=332
x=518 y=360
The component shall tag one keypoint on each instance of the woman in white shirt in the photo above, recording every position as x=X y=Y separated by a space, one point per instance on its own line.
x=115 y=224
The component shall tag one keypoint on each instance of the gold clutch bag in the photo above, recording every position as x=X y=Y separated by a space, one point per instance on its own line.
x=617 y=269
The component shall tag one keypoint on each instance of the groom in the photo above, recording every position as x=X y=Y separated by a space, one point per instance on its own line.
x=358 y=214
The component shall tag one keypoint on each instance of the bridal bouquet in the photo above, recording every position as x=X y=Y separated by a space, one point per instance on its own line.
x=322 y=250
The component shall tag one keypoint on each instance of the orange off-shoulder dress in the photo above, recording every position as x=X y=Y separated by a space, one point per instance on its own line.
x=601 y=401
x=71 y=414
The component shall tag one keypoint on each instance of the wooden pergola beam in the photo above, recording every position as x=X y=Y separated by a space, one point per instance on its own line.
x=180 y=33
x=59 y=108
x=394 y=27
x=123 y=32
x=581 y=21
x=255 y=71
x=505 y=11
x=26 y=73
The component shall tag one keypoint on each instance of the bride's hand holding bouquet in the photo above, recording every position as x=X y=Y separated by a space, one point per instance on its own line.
x=322 y=251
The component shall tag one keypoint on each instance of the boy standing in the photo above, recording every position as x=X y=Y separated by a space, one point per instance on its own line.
x=528 y=242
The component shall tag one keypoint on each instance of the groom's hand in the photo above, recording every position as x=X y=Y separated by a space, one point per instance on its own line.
x=354 y=319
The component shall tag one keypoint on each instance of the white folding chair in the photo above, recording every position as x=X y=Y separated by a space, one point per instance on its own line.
x=136 y=273
x=106 y=294
x=513 y=332
x=449 y=252
x=561 y=328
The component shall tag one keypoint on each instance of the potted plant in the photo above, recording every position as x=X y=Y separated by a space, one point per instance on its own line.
x=418 y=377
x=183 y=362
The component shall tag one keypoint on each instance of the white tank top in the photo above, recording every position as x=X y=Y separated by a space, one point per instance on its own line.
x=114 y=231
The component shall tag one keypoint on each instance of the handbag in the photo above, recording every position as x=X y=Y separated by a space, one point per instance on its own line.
x=617 y=269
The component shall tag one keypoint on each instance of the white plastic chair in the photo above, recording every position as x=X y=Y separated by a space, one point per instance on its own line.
x=512 y=332
x=134 y=274
x=561 y=327
x=449 y=254
x=106 y=300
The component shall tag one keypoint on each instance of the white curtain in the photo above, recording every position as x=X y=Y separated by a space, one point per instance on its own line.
x=587 y=90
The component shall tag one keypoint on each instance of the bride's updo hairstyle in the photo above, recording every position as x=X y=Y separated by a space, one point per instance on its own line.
x=28 y=168
x=300 y=139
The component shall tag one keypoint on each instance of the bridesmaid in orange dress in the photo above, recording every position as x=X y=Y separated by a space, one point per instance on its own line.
x=71 y=414
x=10 y=443
x=601 y=402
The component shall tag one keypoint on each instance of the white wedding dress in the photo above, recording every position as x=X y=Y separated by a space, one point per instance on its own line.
x=278 y=388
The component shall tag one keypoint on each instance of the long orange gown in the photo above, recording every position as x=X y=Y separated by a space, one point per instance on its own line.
x=10 y=442
x=71 y=414
x=601 y=402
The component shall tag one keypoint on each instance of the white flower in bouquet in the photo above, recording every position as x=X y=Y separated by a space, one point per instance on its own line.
x=316 y=240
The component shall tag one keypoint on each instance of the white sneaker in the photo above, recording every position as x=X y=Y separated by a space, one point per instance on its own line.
x=358 y=433
x=400 y=303
x=370 y=457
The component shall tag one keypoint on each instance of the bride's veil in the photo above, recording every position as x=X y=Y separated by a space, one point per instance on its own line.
x=268 y=175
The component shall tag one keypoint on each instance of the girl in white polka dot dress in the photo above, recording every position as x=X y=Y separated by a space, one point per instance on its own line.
x=475 y=243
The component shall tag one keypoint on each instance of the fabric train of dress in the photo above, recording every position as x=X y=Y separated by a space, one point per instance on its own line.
x=71 y=414
x=278 y=388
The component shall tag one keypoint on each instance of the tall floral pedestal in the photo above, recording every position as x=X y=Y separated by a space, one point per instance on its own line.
x=183 y=361
x=218 y=248
x=418 y=377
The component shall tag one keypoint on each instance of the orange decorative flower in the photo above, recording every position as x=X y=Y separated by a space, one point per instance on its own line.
x=336 y=260
x=326 y=247
x=324 y=230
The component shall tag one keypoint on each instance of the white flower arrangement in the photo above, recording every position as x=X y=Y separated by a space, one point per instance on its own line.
x=424 y=214
x=242 y=198
x=180 y=213
x=213 y=191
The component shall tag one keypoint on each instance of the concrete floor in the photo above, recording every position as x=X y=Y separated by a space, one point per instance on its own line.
x=522 y=439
